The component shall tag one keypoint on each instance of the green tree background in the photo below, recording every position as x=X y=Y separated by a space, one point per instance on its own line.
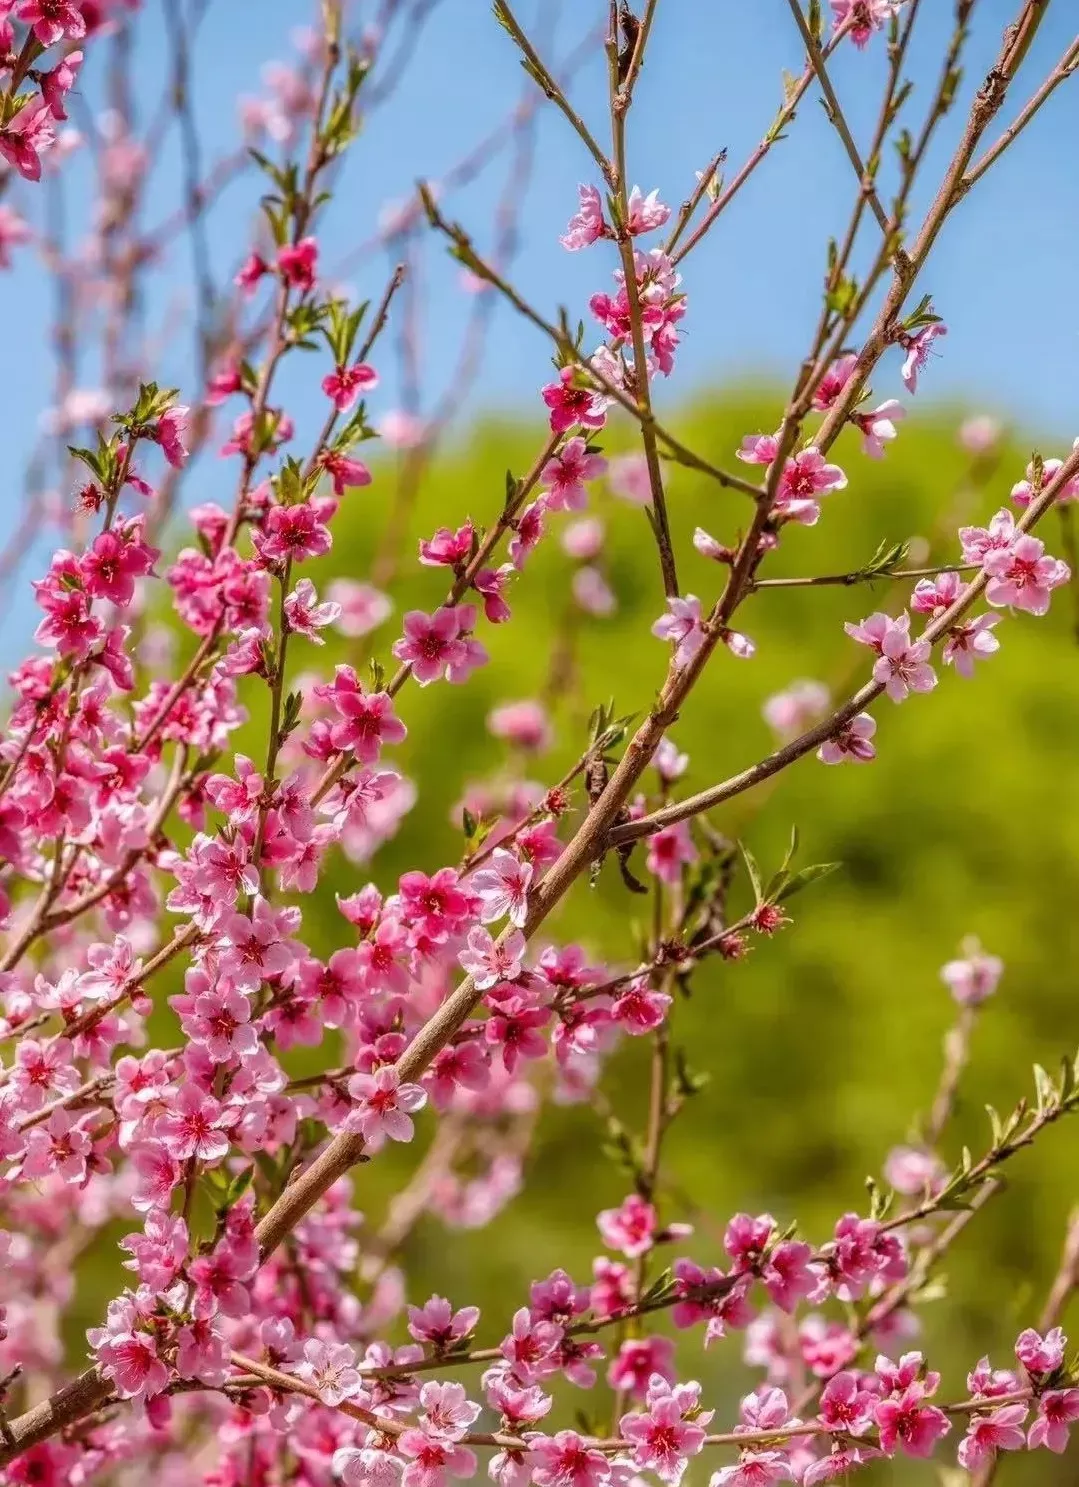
x=825 y=1044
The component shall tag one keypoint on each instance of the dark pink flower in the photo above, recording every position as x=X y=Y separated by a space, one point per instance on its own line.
x=296 y=263
x=345 y=384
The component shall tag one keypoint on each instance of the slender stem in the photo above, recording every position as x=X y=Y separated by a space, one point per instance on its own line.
x=837 y=117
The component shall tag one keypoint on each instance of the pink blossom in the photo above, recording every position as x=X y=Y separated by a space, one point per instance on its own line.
x=973 y=978
x=525 y=724
x=572 y=404
x=297 y=263
x=592 y=592
x=902 y=666
x=846 y=1405
x=330 y=1368
x=170 y=431
x=586 y=226
x=863 y=16
x=909 y=1424
x=345 y=472
x=638 y=1360
x=913 y=1171
x=56 y=85
x=917 y=348
x=805 y=476
x=194 y=1125
x=28 y=136
x=366 y=1467
x=662 y=1440
x=978 y=435
x=433 y=645
x=1023 y=575
x=384 y=1106
x=788 y=1275
x=669 y=850
x=628 y=477
x=758 y=449
x=645 y=212
x=1057 y=1409
x=1040 y=1354
x=683 y=626
x=978 y=542
x=970 y=641
x=566 y=1460
x=437 y=1323
x=801 y=705
x=1000 y=1430
x=488 y=961
x=754 y=1469
x=126 y=1353
x=878 y=426
x=345 y=384
x=630 y=1228
x=52 y=19
x=834 y=382
x=293 y=533
x=361 y=607
x=850 y=742
x=304 y=613
x=366 y=720
x=431 y=1459
x=503 y=887
x=565 y=473
x=448 y=549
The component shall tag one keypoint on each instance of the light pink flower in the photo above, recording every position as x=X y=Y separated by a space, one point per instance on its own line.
x=586 y=226
x=850 y=742
x=878 y=426
x=801 y=705
x=683 y=626
x=1000 y=1430
x=331 y=1369
x=645 y=212
x=487 y=961
x=972 y=979
x=917 y=348
x=902 y=666
x=503 y=887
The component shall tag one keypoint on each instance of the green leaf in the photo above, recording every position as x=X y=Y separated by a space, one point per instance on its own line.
x=753 y=872
x=805 y=876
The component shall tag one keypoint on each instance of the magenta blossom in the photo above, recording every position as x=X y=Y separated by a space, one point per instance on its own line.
x=1057 y=1410
x=564 y=474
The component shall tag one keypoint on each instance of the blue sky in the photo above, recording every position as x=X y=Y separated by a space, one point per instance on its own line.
x=1003 y=276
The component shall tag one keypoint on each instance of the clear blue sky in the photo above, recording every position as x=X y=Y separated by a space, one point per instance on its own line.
x=1003 y=276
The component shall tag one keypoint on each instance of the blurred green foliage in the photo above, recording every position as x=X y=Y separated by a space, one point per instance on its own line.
x=825 y=1043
